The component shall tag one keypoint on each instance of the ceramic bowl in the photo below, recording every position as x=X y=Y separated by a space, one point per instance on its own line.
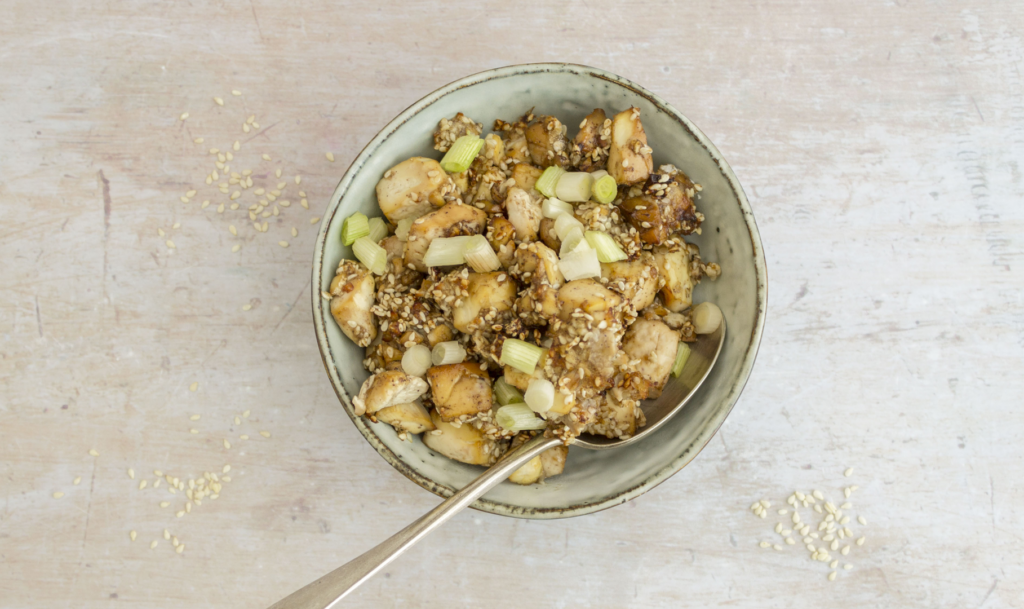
x=593 y=480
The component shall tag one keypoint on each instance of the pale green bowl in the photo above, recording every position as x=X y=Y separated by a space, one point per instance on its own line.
x=593 y=480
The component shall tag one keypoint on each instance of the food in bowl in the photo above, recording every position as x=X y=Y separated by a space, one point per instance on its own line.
x=524 y=283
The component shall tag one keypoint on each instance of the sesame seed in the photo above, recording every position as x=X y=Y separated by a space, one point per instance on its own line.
x=193 y=431
x=845 y=550
x=783 y=512
x=764 y=544
x=193 y=386
x=245 y=415
x=165 y=503
x=298 y=179
x=226 y=443
x=235 y=247
x=167 y=534
x=232 y=229
x=245 y=128
x=236 y=92
x=58 y=495
x=183 y=199
x=184 y=115
x=862 y=520
x=243 y=437
x=153 y=544
x=846 y=492
x=832 y=576
x=78 y=479
x=265 y=434
x=180 y=549
x=220 y=102
x=198 y=140
x=846 y=506
x=170 y=244
x=818 y=495
x=777 y=547
x=266 y=157
x=295 y=232
x=179 y=513
x=246 y=307
x=236 y=194
x=330 y=156
x=283 y=243
x=93 y=452
x=132 y=534
x=236 y=146
x=848 y=472
x=861 y=541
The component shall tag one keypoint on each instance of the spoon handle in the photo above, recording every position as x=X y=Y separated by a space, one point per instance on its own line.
x=328 y=591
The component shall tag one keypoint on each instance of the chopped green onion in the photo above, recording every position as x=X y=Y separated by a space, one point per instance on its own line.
x=547 y=180
x=706 y=318
x=446 y=251
x=580 y=264
x=552 y=208
x=416 y=360
x=460 y=156
x=565 y=223
x=518 y=417
x=574 y=187
x=540 y=395
x=372 y=255
x=506 y=394
x=682 y=355
x=402 y=230
x=604 y=190
x=354 y=227
x=521 y=355
x=607 y=249
x=378 y=229
x=449 y=352
x=573 y=241
x=480 y=255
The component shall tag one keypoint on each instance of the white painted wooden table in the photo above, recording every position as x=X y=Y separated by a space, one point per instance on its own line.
x=881 y=145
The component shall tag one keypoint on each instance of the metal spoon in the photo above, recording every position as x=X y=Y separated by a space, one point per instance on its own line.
x=328 y=591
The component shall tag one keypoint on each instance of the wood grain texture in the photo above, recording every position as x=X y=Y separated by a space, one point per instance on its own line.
x=880 y=144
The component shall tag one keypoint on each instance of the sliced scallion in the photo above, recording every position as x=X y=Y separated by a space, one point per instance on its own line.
x=506 y=394
x=518 y=417
x=573 y=241
x=565 y=223
x=682 y=354
x=580 y=264
x=449 y=352
x=373 y=256
x=604 y=190
x=607 y=249
x=706 y=318
x=462 y=153
x=446 y=251
x=552 y=208
x=416 y=360
x=540 y=395
x=354 y=227
x=378 y=229
x=402 y=230
x=480 y=255
x=574 y=187
x=521 y=355
x=548 y=180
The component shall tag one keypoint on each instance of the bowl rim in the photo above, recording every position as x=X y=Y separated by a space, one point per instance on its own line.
x=320 y=311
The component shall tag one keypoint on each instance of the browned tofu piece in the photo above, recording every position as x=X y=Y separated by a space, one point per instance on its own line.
x=547 y=142
x=410 y=417
x=413 y=188
x=459 y=390
x=501 y=235
x=352 y=296
x=590 y=148
x=630 y=159
x=464 y=443
x=526 y=176
x=664 y=208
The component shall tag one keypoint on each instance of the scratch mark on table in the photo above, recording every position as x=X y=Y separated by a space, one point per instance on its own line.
x=39 y=319
x=105 y=187
x=257 y=20
x=991 y=589
x=292 y=307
